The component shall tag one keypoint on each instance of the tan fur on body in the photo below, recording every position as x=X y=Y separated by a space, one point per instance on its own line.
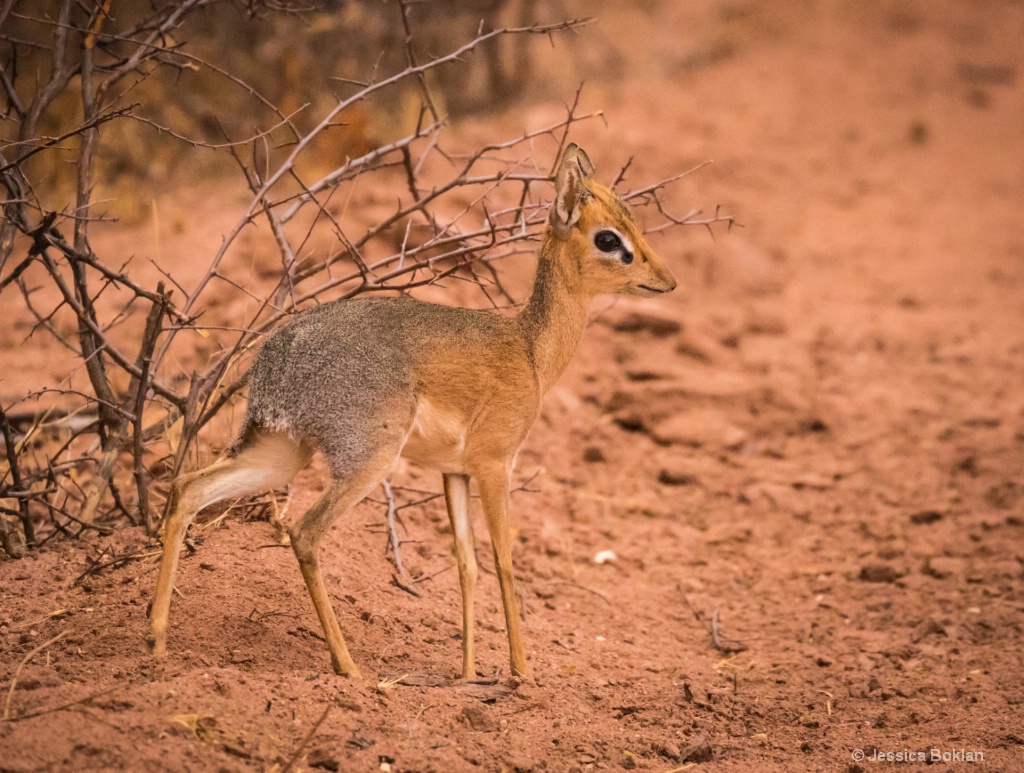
x=452 y=389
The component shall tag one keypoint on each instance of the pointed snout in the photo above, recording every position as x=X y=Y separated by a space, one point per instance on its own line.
x=670 y=282
x=661 y=278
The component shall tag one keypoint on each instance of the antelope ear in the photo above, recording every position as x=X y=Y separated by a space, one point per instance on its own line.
x=570 y=190
x=584 y=161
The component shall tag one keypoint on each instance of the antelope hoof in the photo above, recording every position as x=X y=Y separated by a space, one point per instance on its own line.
x=349 y=671
x=521 y=676
x=156 y=644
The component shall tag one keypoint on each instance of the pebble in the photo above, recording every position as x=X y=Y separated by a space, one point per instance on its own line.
x=926 y=517
x=941 y=567
x=671 y=750
x=657 y=325
x=679 y=472
x=479 y=719
x=878 y=573
x=699 y=428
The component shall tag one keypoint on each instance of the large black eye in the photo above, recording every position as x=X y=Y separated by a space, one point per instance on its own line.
x=607 y=241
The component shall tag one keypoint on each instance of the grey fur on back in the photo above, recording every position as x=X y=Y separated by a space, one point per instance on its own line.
x=346 y=371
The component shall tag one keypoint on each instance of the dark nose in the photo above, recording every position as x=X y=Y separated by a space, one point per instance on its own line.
x=666 y=276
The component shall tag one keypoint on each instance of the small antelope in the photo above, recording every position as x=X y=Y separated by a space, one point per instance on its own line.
x=367 y=381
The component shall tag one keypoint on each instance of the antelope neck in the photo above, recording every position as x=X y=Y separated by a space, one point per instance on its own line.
x=556 y=315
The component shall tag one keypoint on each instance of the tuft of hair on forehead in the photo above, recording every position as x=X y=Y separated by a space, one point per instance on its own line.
x=611 y=200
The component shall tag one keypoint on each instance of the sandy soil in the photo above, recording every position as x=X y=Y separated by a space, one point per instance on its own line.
x=814 y=448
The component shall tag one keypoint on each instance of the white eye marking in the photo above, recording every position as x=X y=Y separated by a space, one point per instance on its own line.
x=626 y=243
x=620 y=251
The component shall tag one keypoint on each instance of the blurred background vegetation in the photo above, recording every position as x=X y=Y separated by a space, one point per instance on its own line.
x=228 y=64
x=112 y=104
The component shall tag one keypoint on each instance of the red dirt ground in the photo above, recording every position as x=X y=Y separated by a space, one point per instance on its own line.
x=817 y=442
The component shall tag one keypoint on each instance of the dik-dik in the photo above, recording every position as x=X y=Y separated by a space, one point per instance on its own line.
x=367 y=381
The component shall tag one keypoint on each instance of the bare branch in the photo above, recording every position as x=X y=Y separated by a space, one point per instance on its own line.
x=450 y=213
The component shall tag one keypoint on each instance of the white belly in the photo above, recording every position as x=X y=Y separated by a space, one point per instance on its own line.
x=437 y=439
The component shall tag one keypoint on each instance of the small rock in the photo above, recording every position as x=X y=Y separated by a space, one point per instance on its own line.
x=941 y=567
x=593 y=454
x=670 y=750
x=1004 y=496
x=35 y=678
x=926 y=517
x=983 y=420
x=813 y=482
x=630 y=421
x=1008 y=569
x=765 y=321
x=698 y=750
x=648 y=373
x=918 y=133
x=814 y=424
x=523 y=763
x=624 y=400
x=777 y=496
x=878 y=573
x=925 y=629
x=479 y=719
x=679 y=472
x=698 y=428
x=657 y=325
x=733 y=438
x=700 y=347
x=323 y=759
x=968 y=464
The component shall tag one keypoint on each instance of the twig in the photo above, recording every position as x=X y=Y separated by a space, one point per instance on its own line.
x=92 y=123
x=719 y=642
x=286 y=167
x=305 y=741
x=402 y=578
x=446 y=221
x=426 y=577
x=136 y=554
x=597 y=593
x=16 y=482
x=141 y=386
x=68 y=705
x=17 y=671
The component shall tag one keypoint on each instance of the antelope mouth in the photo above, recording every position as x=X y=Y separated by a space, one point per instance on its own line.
x=655 y=290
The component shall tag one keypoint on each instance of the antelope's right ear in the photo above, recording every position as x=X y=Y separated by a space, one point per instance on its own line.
x=570 y=190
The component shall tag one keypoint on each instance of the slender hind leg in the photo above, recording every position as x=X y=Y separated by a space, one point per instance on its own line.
x=456 y=492
x=267 y=461
x=306 y=533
